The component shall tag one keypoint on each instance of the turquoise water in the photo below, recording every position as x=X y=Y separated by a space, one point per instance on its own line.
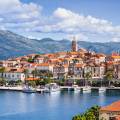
x=22 y=106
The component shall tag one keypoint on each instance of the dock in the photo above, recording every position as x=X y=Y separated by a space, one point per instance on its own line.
x=20 y=88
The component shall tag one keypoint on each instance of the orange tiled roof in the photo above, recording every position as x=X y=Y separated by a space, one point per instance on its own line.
x=66 y=66
x=116 y=57
x=31 y=79
x=115 y=106
x=79 y=65
x=73 y=53
x=15 y=70
x=44 y=64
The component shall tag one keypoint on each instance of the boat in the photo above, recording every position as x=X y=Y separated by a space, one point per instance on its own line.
x=76 y=88
x=86 y=89
x=29 y=89
x=102 y=89
x=52 y=88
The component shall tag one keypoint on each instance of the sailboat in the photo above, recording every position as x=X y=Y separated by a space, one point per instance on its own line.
x=76 y=88
x=86 y=88
x=102 y=89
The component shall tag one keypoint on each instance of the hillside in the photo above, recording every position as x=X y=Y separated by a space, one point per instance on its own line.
x=12 y=45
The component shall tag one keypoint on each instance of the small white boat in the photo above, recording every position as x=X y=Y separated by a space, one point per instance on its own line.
x=28 y=89
x=52 y=88
x=76 y=88
x=102 y=89
x=86 y=89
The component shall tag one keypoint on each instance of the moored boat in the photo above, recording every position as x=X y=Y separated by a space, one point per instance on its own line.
x=52 y=88
x=76 y=88
x=102 y=89
x=86 y=89
x=29 y=89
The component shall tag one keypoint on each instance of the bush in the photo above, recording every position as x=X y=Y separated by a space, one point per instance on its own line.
x=90 y=114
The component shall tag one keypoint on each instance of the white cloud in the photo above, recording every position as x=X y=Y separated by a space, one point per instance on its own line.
x=78 y=37
x=78 y=22
x=27 y=17
x=14 y=12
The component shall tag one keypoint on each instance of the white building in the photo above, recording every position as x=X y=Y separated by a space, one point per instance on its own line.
x=39 y=60
x=13 y=75
x=60 y=71
x=45 y=67
x=8 y=63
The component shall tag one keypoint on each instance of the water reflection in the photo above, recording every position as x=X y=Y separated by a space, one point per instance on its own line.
x=57 y=106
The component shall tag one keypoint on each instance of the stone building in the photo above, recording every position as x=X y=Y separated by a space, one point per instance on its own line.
x=110 y=112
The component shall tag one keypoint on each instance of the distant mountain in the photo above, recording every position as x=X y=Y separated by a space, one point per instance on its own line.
x=12 y=45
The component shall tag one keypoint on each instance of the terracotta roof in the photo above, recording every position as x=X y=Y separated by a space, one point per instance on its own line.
x=15 y=70
x=116 y=57
x=115 y=106
x=66 y=66
x=31 y=79
x=44 y=64
x=79 y=65
x=73 y=53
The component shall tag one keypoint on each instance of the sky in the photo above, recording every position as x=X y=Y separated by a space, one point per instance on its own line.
x=88 y=20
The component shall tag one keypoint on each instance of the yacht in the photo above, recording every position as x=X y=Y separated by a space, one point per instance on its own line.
x=76 y=88
x=86 y=89
x=29 y=89
x=52 y=88
x=102 y=89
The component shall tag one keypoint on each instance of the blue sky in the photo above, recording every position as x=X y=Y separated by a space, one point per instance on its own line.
x=106 y=9
x=88 y=20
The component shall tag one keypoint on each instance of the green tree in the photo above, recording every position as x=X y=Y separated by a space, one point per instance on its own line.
x=109 y=76
x=90 y=114
x=34 y=73
x=31 y=83
x=30 y=60
x=44 y=74
x=18 y=82
x=2 y=70
x=26 y=73
x=87 y=76
x=2 y=82
x=47 y=80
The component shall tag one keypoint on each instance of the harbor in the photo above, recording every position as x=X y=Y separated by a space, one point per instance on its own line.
x=65 y=88
x=62 y=105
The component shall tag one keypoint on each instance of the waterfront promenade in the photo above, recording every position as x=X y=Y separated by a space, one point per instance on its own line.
x=20 y=88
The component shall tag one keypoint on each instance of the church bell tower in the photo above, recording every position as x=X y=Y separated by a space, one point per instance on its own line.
x=74 y=45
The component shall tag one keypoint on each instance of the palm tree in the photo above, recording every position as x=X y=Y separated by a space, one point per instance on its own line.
x=87 y=76
x=34 y=73
x=109 y=76
x=2 y=82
